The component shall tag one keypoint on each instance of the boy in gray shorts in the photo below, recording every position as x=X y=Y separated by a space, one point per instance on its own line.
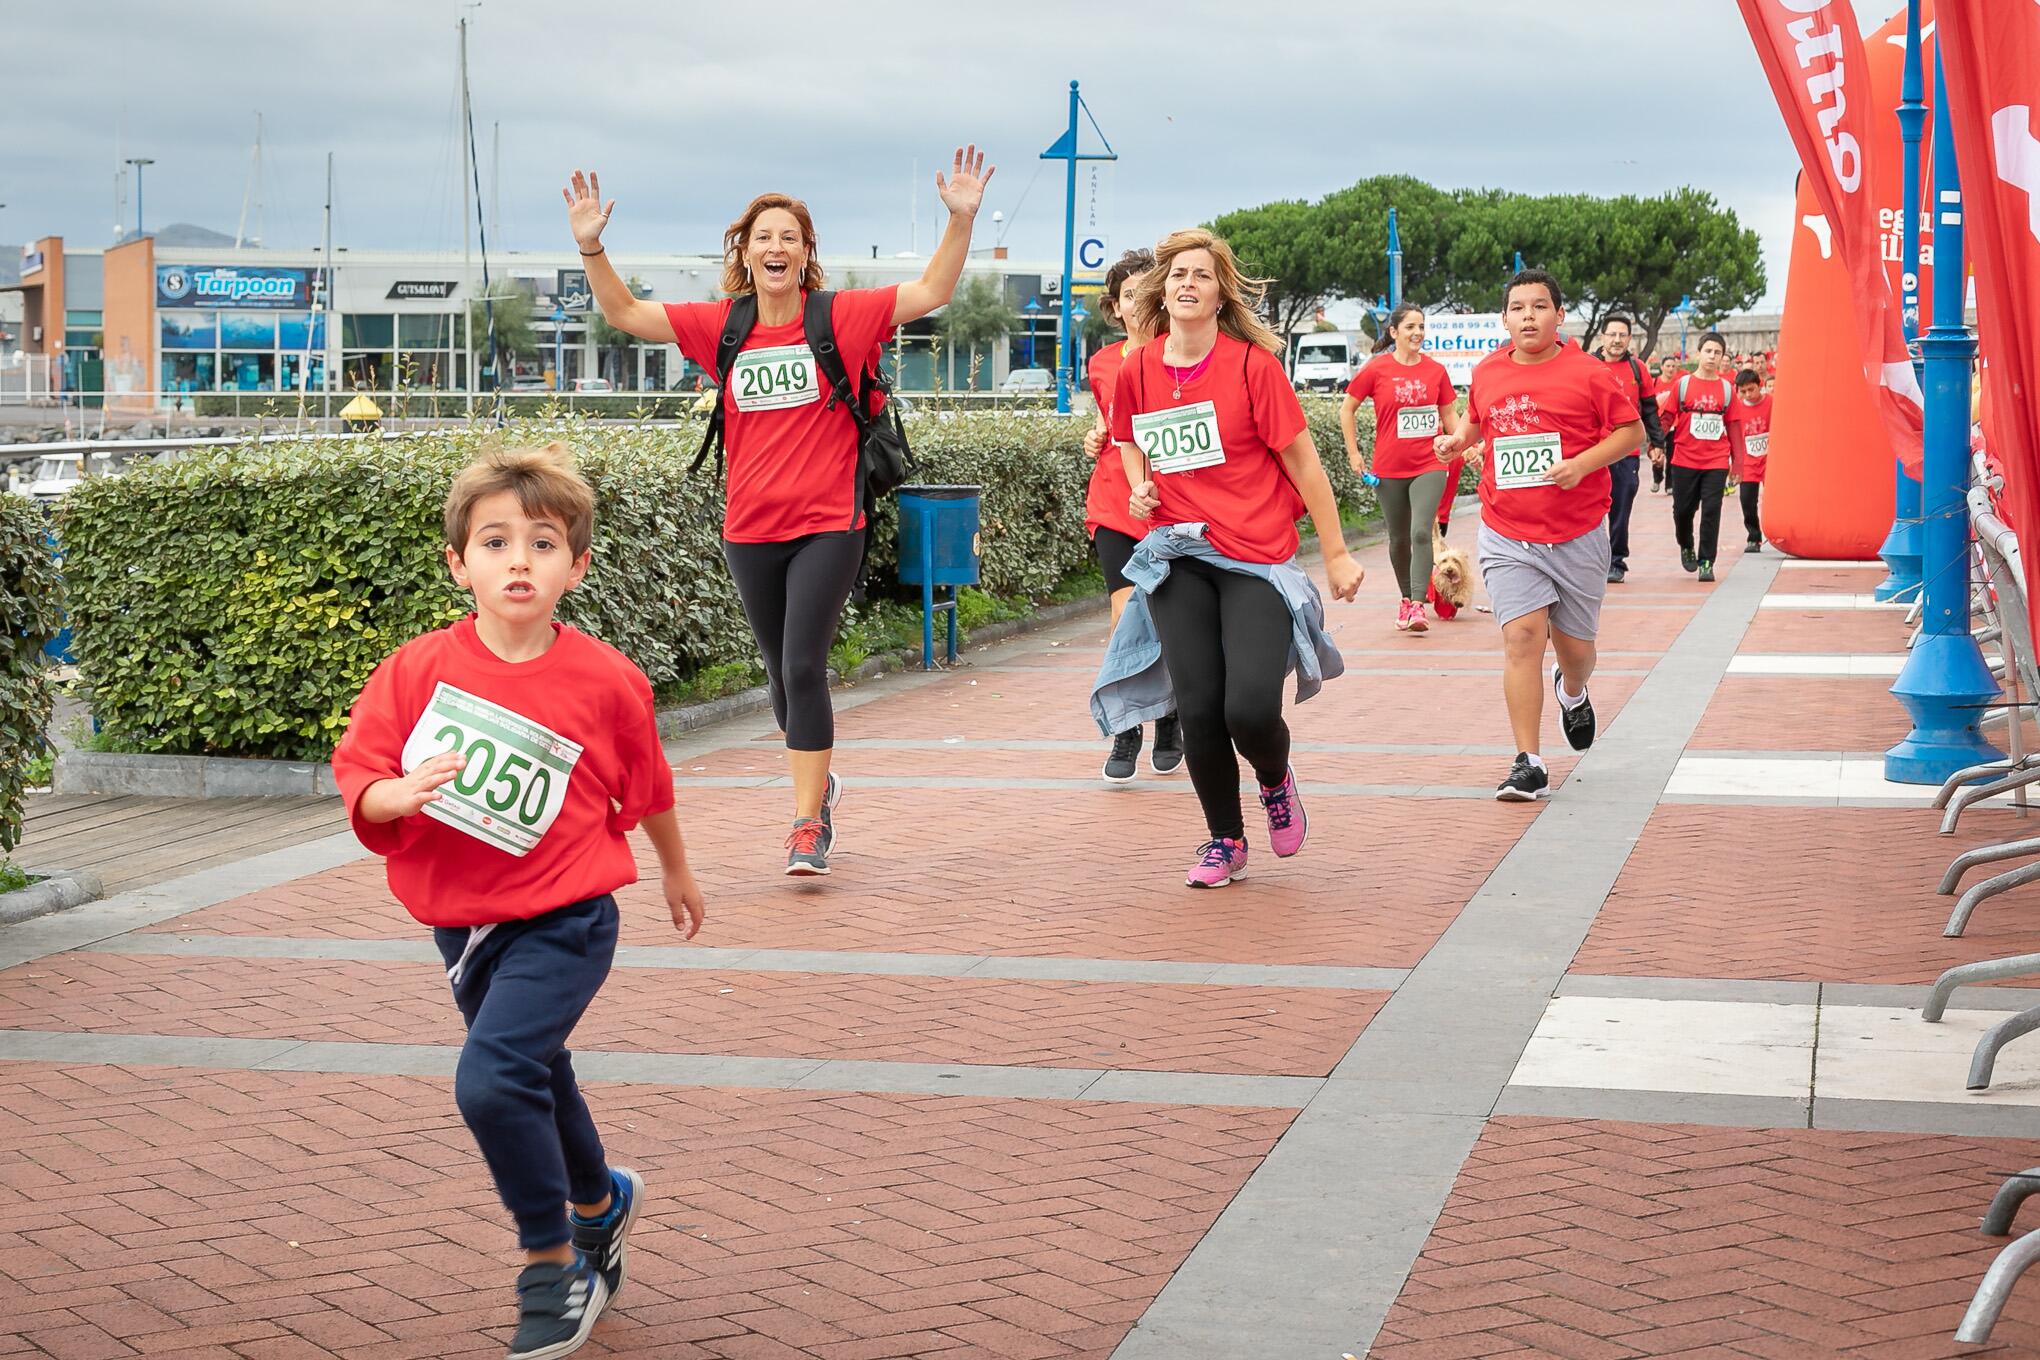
x=1554 y=419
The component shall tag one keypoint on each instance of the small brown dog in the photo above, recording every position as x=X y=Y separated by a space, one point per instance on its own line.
x=1451 y=575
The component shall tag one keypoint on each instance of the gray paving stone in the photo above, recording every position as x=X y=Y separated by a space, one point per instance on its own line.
x=1658 y=1107
x=1203 y=1088
x=1976 y=1120
x=1691 y=989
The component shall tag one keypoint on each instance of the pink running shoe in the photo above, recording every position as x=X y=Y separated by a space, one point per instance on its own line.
x=1219 y=862
x=1287 y=826
x=1402 y=617
x=1418 y=623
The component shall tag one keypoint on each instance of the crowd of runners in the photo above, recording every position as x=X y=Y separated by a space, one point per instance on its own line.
x=499 y=763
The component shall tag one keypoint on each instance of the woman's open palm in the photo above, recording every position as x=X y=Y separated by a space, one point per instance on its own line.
x=964 y=190
x=587 y=214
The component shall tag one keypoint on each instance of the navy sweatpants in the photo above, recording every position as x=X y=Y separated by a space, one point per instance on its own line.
x=522 y=990
x=1625 y=476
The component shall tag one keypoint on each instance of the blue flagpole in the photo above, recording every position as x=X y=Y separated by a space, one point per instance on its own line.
x=1945 y=684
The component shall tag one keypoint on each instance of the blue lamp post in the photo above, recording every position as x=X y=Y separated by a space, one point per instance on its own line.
x=1394 y=262
x=1901 y=550
x=1077 y=318
x=1945 y=683
x=559 y=320
x=1684 y=311
x=1033 y=311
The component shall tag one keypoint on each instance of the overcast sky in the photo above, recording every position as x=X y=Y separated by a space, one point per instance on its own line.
x=687 y=110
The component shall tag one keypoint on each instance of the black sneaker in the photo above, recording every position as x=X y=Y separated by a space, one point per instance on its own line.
x=1125 y=757
x=1617 y=575
x=1707 y=571
x=557 y=1307
x=1166 y=755
x=601 y=1241
x=1687 y=560
x=1755 y=545
x=1526 y=782
x=1576 y=723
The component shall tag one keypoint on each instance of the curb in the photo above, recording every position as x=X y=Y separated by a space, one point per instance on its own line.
x=56 y=890
x=152 y=776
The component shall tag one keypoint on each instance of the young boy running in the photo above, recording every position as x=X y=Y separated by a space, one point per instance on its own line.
x=1700 y=416
x=497 y=764
x=1752 y=436
x=1554 y=419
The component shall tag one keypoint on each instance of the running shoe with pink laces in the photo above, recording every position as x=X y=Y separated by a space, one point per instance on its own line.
x=1287 y=826
x=1219 y=862
x=1402 y=617
x=1418 y=623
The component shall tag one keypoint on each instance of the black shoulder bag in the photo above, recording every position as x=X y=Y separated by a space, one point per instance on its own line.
x=884 y=462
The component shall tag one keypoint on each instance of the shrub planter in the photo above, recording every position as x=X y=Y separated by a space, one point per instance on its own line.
x=55 y=890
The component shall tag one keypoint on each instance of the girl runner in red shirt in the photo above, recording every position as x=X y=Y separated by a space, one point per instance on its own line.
x=1211 y=432
x=1753 y=448
x=793 y=534
x=1413 y=404
x=1113 y=529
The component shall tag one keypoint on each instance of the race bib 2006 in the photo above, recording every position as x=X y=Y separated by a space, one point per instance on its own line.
x=515 y=780
x=773 y=379
x=1180 y=439
x=1416 y=422
x=1708 y=425
x=1758 y=445
x=1521 y=460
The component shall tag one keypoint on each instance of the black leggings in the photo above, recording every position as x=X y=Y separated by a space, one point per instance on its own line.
x=1114 y=551
x=1698 y=489
x=1752 y=492
x=793 y=594
x=1225 y=639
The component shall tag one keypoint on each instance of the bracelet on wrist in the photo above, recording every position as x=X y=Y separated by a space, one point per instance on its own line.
x=591 y=254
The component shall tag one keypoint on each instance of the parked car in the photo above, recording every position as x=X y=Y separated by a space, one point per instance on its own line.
x=592 y=385
x=1028 y=381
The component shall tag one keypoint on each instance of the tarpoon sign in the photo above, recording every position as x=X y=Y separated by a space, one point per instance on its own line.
x=179 y=285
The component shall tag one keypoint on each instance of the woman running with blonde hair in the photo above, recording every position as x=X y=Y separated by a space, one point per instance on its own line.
x=1218 y=457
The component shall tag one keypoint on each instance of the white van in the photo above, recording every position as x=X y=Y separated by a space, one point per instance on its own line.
x=1322 y=362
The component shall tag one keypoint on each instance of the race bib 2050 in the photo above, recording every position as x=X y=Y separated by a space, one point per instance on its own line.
x=1180 y=439
x=515 y=781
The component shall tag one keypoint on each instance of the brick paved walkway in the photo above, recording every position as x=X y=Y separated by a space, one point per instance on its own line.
x=1634 y=1073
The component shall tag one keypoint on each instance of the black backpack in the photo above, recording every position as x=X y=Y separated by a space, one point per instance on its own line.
x=884 y=462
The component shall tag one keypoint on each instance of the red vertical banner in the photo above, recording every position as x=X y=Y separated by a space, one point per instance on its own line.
x=1812 y=51
x=1993 y=70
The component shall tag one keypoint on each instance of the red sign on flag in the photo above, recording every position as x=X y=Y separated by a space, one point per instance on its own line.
x=1991 y=53
x=1812 y=51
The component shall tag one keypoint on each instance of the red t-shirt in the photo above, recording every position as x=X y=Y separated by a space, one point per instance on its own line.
x=581 y=689
x=1704 y=397
x=792 y=452
x=1571 y=395
x=1105 y=499
x=1754 y=446
x=1636 y=383
x=1247 y=500
x=1396 y=388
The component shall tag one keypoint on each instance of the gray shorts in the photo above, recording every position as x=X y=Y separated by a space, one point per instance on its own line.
x=1569 y=579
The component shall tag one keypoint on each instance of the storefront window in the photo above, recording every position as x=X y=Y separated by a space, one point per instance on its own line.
x=294 y=377
x=372 y=331
x=190 y=330
x=438 y=369
x=248 y=372
x=296 y=331
x=428 y=332
x=368 y=371
x=247 y=330
x=188 y=372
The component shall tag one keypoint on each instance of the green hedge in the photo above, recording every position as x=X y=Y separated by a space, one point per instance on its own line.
x=234 y=600
x=31 y=613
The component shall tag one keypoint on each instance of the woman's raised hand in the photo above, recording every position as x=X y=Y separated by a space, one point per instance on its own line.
x=964 y=190
x=587 y=214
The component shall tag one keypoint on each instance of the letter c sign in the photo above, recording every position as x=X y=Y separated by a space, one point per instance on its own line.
x=1091 y=252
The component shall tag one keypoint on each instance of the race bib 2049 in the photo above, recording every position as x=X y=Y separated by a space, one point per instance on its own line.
x=515 y=781
x=1521 y=460
x=1180 y=439
x=776 y=378
x=1708 y=425
x=1416 y=422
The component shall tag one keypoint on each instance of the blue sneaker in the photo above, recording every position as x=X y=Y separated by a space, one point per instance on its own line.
x=556 y=1309
x=601 y=1240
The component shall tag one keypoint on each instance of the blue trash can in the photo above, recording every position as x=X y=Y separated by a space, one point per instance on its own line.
x=939 y=546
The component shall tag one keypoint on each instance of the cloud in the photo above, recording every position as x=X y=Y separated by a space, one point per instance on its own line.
x=688 y=110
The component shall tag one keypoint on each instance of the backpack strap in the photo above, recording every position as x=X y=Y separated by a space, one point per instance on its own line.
x=743 y=315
